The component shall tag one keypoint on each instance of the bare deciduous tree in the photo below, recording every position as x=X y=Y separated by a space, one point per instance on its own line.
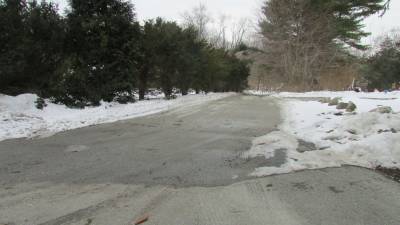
x=239 y=31
x=223 y=32
x=198 y=18
x=305 y=39
x=298 y=41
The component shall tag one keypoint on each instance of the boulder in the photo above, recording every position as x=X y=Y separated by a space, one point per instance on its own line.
x=40 y=103
x=351 y=107
x=334 y=101
x=352 y=131
x=383 y=110
x=325 y=100
x=305 y=146
x=342 y=105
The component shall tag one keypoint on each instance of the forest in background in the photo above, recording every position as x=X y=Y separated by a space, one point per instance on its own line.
x=99 y=51
x=316 y=44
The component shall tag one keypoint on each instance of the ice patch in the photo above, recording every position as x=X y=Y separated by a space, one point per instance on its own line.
x=268 y=144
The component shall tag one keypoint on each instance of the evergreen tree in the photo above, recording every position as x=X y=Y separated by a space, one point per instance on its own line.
x=32 y=42
x=240 y=71
x=102 y=51
x=149 y=42
x=383 y=68
x=347 y=17
x=168 y=52
x=44 y=46
x=12 y=39
x=217 y=70
x=189 y=67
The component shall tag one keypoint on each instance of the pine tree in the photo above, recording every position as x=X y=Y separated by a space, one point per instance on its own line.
x=12 y=38
x=189 y=67
x=149 y=42
x=240 y=71
x=383 y=68
x=32 y=43
x=347 y=17
x=163 y=50
x=103 y=46
x=45 y=43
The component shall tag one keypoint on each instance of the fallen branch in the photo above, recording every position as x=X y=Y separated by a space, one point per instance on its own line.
x=142 y=219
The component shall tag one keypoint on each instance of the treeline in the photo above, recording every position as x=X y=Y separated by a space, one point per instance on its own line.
x=307 y=39
x=382 y=69
x=99 y=51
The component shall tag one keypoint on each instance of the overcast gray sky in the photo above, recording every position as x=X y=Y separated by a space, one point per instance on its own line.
x=236 y=9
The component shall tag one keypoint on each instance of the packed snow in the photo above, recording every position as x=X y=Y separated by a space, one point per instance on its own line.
x=361 y=138
x=19 y=118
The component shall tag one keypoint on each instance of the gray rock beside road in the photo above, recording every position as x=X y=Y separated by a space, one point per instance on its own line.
x=383 y=110
x=334 y=101
x=342 y=105
x=351 y=107
x=305 y=146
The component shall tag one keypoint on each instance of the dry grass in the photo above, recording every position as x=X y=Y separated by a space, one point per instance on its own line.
x=337 y=79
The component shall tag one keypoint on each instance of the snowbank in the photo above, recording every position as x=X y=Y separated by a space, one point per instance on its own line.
x=367 y=139
x=19 y=118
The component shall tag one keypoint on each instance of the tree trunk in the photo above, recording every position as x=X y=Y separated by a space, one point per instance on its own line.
x=143 y=83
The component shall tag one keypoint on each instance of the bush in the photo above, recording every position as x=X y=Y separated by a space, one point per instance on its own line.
x=40 y=103
x=171 y=97
x=125 y=99
x=242 y=47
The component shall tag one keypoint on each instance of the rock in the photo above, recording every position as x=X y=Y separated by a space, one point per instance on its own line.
x=383 y=110
x=40 y=103
x=325 y=100
x=125 y=99
x=380 y=131
x=351 y=107
x=334 y=101
x=76 y=148
x=332 y=138
x=342 y=105
x=305 y=146
x=392 y=130
x=338 y=114
x=352 y=131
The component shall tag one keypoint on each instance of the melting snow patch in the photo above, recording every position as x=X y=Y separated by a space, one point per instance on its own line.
x=268 y=144
x=364 y=138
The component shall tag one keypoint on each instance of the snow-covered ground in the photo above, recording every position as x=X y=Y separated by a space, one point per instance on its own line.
x=19 y=118
x=364 y=138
